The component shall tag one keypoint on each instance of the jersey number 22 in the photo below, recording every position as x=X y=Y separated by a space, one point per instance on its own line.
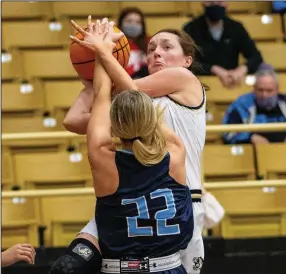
x=161 y=216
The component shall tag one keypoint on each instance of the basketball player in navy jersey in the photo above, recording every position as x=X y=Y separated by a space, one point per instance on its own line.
x=174 y=87
x=144 y=208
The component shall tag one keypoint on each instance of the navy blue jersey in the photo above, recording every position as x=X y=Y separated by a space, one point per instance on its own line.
x=150 y=214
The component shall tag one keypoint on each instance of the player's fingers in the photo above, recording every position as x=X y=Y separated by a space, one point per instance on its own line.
x=29 y=246
x=78 y=28
x=117 y=36
x=104 y=20
x=75 y=39
x=105 y=29
x=111 y=23
x=78 y=41
x=82 y=43
x=89 y=19
x=29 y=249
x=89 y=24
x=28 y=254
x=25 y=258
x=93 y=27
x=98 y=27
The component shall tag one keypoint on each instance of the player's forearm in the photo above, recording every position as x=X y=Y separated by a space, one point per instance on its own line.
x=98 y=130
x=116 y=72
x=101 y=81
x=77 y=118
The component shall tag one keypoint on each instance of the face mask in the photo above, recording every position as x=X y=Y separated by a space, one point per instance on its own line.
x=132 y=30
x=215 y=13
x=267 y=103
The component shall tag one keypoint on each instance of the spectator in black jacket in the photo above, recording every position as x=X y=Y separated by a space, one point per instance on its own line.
x=221 y=40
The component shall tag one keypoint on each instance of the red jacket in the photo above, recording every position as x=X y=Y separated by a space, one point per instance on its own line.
x=138 y=58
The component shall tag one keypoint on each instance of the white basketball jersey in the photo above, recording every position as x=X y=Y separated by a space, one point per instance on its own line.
x=190 y=124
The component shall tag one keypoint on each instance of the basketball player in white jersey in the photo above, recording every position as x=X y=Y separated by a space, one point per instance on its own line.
x=179 y=92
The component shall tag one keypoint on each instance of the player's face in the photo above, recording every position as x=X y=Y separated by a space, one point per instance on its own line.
x=164 y=50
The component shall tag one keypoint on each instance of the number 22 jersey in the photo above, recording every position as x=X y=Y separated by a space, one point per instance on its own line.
x=150 y=214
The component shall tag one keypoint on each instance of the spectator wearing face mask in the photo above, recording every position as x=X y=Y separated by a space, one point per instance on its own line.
x=131 y=21
x=221 y=40
x=264 y=105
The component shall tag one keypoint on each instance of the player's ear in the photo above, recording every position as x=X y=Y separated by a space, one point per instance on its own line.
x=188 y=61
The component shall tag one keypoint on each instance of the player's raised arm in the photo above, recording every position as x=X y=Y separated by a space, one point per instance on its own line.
x=98 y=130
x=77 y=118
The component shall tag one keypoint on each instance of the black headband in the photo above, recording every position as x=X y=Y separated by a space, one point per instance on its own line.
x=131 y=140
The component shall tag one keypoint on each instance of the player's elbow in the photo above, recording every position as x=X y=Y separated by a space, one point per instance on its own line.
x=119 y=89
x=76 y=125
x=134 y=87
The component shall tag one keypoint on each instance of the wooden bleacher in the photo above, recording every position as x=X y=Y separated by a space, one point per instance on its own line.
x=20 y=222
x=51 y=170
x=26 y=10
x=7 y=167
x=73 y=9
x=25 y=122
x=220 y=96
x=276 y=60
x=15 y=101
x=284 y=21
x=236 y=7
x=14 y=35
x=252 y=212
x=65 y=216
x=154 y=24
x=282 y=82
x=228 y=163
x=48 y=64
x=60 y=95
x=274 y=168
x=158 y=8
x=14 y=69
x=259 y=31
x=213 y=117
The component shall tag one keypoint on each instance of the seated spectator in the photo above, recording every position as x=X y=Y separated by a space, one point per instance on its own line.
x=131 y=21
x=264 y=105
x=221 y=40
x=279 y=6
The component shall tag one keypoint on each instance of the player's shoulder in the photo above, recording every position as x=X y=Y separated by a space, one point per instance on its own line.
x=183 y=74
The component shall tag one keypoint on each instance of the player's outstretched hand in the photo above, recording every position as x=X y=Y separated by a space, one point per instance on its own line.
x=97 y=36
x=19 y=252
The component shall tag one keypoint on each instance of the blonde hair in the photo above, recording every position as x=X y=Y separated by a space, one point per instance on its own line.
x=135 y=119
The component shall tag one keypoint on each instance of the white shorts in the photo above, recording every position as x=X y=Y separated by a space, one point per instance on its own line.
x=192 y=257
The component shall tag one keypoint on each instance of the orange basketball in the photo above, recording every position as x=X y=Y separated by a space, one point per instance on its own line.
x=82 y=58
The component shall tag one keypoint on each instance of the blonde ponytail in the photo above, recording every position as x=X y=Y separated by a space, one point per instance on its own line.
x=151 y=151
x=134 y=119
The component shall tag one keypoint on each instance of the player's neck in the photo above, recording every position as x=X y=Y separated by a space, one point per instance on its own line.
x=127 y=145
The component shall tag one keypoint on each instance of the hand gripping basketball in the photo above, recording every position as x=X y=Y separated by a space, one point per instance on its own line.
x=95 y=37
